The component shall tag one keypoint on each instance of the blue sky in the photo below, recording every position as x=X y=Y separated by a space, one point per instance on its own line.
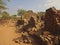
x=35 y=5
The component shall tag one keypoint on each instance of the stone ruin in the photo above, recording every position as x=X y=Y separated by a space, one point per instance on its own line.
x=52 y=20
x=30 y=33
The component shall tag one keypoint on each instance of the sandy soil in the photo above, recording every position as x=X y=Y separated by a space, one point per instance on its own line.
x=7 y=34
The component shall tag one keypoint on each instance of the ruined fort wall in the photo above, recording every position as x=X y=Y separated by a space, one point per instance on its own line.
x=51 y=23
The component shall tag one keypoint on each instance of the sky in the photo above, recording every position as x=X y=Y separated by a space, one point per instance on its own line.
x=35 y=5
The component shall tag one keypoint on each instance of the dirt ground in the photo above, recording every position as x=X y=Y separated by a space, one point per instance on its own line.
x=7 y=34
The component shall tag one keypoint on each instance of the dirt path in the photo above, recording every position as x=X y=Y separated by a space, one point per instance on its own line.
x=7 y=34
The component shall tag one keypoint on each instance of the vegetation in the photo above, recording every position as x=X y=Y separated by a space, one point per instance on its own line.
x=27 y=14
x=21 y=12
x=2 y=5
x=5 y=15
x=41 y=14
x=14 y=17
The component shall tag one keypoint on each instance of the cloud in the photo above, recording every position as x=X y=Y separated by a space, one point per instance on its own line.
x=50 y=3
x=36 y=5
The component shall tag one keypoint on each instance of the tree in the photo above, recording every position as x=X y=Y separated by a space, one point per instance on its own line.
x=41 y=14
x=14 y=16
x=21 y=12
x=5 y=15
x=28 y=14
x=2 y=5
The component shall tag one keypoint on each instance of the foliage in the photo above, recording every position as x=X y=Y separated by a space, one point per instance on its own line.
x=41 y=14
x=13 y=16
x=2 y=5
x=21 y=12
x=5 y=15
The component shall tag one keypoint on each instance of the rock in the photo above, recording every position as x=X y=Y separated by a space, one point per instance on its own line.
x=51 y=23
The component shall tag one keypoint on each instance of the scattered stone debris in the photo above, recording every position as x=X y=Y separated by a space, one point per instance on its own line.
x=31 y=29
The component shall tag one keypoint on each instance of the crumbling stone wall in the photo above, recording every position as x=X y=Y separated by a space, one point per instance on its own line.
x=52 y=18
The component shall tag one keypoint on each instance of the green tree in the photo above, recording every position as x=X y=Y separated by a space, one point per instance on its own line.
x=5 y=15
x=2 y=5
x=41 y=14
x=20 y=12
x=14 y=16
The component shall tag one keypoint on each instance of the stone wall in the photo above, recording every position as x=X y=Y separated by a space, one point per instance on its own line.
x=52 y=18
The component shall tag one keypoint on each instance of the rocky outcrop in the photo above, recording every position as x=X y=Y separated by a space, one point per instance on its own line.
x=52 y=20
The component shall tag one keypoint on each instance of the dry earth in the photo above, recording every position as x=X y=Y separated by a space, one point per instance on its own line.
x=7 y=34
